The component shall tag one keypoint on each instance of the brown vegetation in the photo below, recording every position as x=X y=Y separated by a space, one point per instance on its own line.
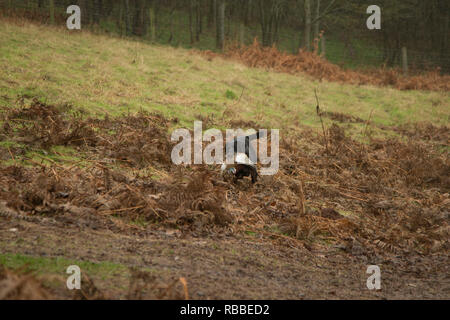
x=318 y=67
x=20 y=286
x=385 y=196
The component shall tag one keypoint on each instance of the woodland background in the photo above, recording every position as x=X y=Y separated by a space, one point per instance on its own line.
x=336 y=29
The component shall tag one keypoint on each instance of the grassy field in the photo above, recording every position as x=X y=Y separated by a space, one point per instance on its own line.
x=101 y=74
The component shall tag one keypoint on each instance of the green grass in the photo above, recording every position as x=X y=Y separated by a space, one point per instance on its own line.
x=52 y=271
x=59 y=265
x=102 y=74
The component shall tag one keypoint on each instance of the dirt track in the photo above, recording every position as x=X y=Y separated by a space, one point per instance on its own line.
x=234 y=268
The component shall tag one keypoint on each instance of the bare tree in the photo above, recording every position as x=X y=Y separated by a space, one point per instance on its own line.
x=309 y=22
x=191 y=31
x=317 y=21
x=220 y=25
x=307 y=30
x=270 y=12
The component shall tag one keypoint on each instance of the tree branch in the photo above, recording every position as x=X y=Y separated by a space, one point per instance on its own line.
x=325 y=12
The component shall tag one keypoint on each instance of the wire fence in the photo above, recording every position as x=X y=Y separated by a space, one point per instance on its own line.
x=174 y=26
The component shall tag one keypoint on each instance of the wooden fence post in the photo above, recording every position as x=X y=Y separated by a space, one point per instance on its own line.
x=404 y=61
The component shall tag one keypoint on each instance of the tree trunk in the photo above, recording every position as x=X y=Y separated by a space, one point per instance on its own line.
x=242 y=34
x=248 y=12
x=220 y=33
x=152 y=22
x=139 y=18
x=266 y=19
x=191 y=31
x=121 y=28
x=317 y=23
x=84 y=7
x=211 y=15
x=263 y=23
x=96 y=12
x=198 y=30
x=127 y=18
x=52 y=11
x=444 y=42
x=307 y=35
x=198 y=23
x=404 y=61
x=228 y=32
x=171 y=24
x=323 y=47
x=215 y=12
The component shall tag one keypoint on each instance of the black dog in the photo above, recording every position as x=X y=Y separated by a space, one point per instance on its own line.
x=241 y=169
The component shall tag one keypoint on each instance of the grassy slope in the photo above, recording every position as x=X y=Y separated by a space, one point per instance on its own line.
x=110 y=75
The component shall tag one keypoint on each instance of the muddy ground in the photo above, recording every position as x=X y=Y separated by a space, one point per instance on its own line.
x=336 y=206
